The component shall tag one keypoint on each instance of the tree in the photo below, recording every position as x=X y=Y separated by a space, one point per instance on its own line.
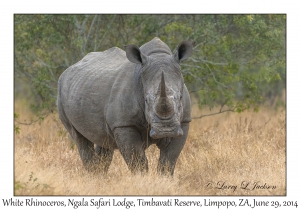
x=236 y=58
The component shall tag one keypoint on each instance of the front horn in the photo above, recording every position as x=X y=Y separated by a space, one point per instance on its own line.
x=164 y=106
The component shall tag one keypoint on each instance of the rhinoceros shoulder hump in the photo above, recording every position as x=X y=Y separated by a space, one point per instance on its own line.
x=113 y=53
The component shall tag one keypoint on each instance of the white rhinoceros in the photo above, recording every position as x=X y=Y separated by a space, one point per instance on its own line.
x=127 y=101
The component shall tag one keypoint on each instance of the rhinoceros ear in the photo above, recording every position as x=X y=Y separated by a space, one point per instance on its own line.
x=134 y=54
x=183 y=51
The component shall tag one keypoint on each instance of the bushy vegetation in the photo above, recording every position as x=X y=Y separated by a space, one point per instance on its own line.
x=238 y=60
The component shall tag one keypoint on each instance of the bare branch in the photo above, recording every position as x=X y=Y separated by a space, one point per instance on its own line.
x=193 y=66
x=104 y=35
x=223 y=104
x=97 y=30
x=195 y=91
x=205 y=115
x=201 y=60
x=20 y=68
x=66 y=62
x=32 y=121
x=89 y=33
x=221 y=111
x=215 y=77
x=83 y=26
x=81 y=31
x=47 y=65
x=201 y=43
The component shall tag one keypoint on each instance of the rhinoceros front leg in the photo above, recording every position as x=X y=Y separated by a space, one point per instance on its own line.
x=170 y=149
x=130 y=144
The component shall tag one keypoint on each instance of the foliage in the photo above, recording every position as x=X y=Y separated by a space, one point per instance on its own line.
x=237 y=60
x=16 y=127
x=31 y=186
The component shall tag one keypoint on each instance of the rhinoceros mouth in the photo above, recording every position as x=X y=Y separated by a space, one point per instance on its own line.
x=173 y=132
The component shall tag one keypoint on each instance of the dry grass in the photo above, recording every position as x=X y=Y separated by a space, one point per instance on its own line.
x=224 y=149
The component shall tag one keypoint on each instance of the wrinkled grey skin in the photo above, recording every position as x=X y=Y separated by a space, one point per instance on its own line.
x=127 y=101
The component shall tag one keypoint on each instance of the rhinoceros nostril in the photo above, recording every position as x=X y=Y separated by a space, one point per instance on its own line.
x=152 y=133
x=179 y=132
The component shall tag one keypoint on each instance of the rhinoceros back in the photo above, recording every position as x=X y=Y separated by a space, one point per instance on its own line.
x=85 y=88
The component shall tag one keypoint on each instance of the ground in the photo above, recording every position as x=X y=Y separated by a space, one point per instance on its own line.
x=225 y=154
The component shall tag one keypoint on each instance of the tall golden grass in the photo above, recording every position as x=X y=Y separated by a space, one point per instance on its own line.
x=226 y=154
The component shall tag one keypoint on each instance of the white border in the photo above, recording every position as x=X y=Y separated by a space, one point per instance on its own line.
x=8 y=8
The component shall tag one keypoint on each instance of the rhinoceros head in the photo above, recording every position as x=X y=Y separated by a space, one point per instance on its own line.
x=163 y=85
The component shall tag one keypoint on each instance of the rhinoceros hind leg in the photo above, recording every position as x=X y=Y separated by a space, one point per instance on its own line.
x=105 y=157
x=85 y=148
